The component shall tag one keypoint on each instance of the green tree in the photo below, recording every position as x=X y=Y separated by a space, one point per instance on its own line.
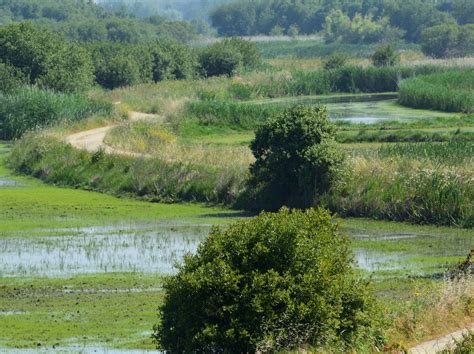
x=463 y=11
x=10 y=78
x=336 y=61
x=278 y=281
x=466 y=40
x=440 y=41
x=385 y=55
x=45 y=58
x=219 y=59
x=297 y=159
x=228 y=56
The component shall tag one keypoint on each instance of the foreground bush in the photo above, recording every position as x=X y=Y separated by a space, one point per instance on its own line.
x=297 y=159
x=278 y=281
x=31 y=108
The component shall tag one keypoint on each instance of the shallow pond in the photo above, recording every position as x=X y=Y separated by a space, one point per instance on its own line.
x=5 y=182
x=98 y=250
x=158 y=249
x=362 y=109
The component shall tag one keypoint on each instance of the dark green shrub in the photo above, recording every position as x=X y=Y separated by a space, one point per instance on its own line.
x=228 y=56
x=11 y=78
x=385 y=55
x=120 y=71
x=297 y=159
x=117 y=65
x=172 y=61
x=45 y=58
x=220 y=59
x=336 y=61
x=277 y=281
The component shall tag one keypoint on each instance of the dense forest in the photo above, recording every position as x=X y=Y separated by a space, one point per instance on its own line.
x=85 y=21
x=190 y=10
x=349 y=21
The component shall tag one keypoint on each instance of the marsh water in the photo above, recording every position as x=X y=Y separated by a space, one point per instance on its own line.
x=361 y=109
x=159 y=249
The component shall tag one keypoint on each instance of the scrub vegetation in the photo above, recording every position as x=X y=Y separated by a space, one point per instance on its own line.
x=132 y=131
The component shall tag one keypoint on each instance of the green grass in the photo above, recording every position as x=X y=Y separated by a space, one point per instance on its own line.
x=448 y=153
x=31 y=108
x=35 y=205
x=119 y=309
x=452 y=91
x=102 y=310
x=315 y=48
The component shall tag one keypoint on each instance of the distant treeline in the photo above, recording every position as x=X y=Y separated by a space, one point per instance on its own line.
x=190 y=10
x=85 y=21
x=30 y=55
x=349 y=21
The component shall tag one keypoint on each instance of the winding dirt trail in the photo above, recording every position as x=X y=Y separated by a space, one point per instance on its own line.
x=94 y=139
x=438 y=344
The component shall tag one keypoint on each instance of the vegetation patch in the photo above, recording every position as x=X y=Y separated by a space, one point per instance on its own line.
x=452 y=91
x=31 y=109
x=278 y=281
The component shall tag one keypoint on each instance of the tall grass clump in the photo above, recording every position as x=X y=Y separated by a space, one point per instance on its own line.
x=451 y=91
x=349 y=78
x=150 y=179
x=315 y=48
x=229 y=114
x=31 y=108
x=449 y=153
x=426 y=183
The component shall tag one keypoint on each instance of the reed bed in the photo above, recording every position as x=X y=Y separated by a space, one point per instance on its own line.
x=451 y=91
x=31 y=109
x=151 y=178
x=153 y=139
x=417 y=187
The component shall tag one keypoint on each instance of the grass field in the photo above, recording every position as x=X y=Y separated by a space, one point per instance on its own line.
x=83 y=270
x=117 y=307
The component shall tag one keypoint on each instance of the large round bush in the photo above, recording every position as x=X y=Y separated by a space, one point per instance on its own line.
x=297 y=160
x=277 y=281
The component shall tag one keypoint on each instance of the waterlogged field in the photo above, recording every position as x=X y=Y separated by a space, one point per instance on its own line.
x=82 y=271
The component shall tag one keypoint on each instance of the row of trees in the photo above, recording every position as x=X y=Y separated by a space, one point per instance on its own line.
x=85 y=21
x=190 y=10
x=31 y=55
x=353 y=21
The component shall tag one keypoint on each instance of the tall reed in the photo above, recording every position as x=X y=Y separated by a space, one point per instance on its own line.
x=31 y=108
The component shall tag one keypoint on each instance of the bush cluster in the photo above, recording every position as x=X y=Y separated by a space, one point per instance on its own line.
x=45 y=59
x=275 y=282
x=228 y=56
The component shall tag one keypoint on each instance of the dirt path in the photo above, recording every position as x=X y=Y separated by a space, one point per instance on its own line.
x=440 y=343
x=93 y=139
